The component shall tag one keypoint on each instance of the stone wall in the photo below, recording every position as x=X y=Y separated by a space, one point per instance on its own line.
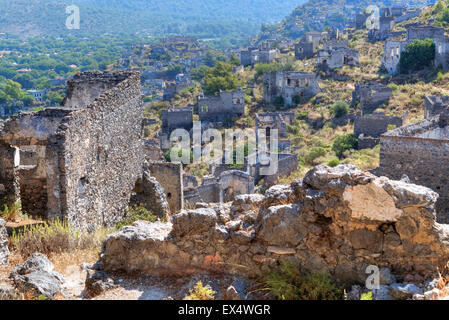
x=179 y=118
x=100 y=152
x=424 y=160
x=336 y=220
x=169 y=175
x=288 y=85
x=434 y=105
x=375 y=124
x=4 y=251
x=225 y=106
x=370 y=96
x=287 y=163
x=304 y=50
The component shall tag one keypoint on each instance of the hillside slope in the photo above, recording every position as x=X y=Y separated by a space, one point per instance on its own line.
x=199 y=17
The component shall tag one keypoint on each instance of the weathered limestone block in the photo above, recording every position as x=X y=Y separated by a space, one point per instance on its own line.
x=4 y=252
x=337 y=220
x=36 y=277
x=156 y=200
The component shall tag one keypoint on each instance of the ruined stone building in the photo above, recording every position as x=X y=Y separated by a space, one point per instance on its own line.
x=253 y=55
x=221 y=186
x=336 y=57
x=394 y=48
x=177 y=118
x=314 y=36
x=288 y=85
x=369 y=128
x=305 y=50
x=420 y=151
x=173 y=88
x=274 y=120
x=225 y=106
x=434 y=105
x=369 y=97
x=79 y=161
x=383 y=30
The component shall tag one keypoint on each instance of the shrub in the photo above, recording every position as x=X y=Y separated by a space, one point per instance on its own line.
x=333 y=163
x=200 y=292
x=418 y=54
x=343 y=143
x=13 y=212
x=136 y=213
x=367 y=296
x=340 y=109
x=315 y=153
x=393 y=86
x=288 y=283
x=55 y=237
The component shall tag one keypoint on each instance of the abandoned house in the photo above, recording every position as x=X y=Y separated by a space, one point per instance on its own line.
x=253 y=55
x=222 y=186
x=369 y=128
x=274 y=120
x=394 y=48
x=420 y=151
x=79 y=161
x=336 y=57
x=369 y=97
x=173 y=88
x=226 y=106
x=304 y=50
x=177 y=118
x=434 y=105
x=288 y=85
x=383 y=30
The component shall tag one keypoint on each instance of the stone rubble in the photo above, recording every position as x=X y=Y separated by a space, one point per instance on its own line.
x=336 y=220
x=36 y=278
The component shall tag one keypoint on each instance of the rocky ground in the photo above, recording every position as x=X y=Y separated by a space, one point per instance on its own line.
x=336 y=220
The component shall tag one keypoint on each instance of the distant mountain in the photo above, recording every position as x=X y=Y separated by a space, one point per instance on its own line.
x=205 y=18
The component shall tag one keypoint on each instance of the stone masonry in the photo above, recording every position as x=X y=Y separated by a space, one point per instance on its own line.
x=288 y=85
x=369 y=97
x=4 y=251
x=368 y=128
x=420 y=151
x=225 y=106
x=80 y=161
x=336 y=220
x=434 y=105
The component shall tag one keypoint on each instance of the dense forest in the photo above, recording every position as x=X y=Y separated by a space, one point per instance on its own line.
x=205 y=19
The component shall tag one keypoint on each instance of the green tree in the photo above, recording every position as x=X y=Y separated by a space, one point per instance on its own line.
x=220 y=78
x=418 y=54
x=340 y=109
x=344 y=143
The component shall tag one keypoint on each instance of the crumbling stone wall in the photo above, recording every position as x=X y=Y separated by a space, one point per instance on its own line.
x=225 y=106
x=434 y=105
x=177 y=118
x=288 y=85
x=368 y=128
x=371 y=96
x=287 y=163
x=9 y=181
x=422 y=153
x=305 y=50
x=169 y=175
x=4 y=251
x=336 y=220
x=100 y=151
